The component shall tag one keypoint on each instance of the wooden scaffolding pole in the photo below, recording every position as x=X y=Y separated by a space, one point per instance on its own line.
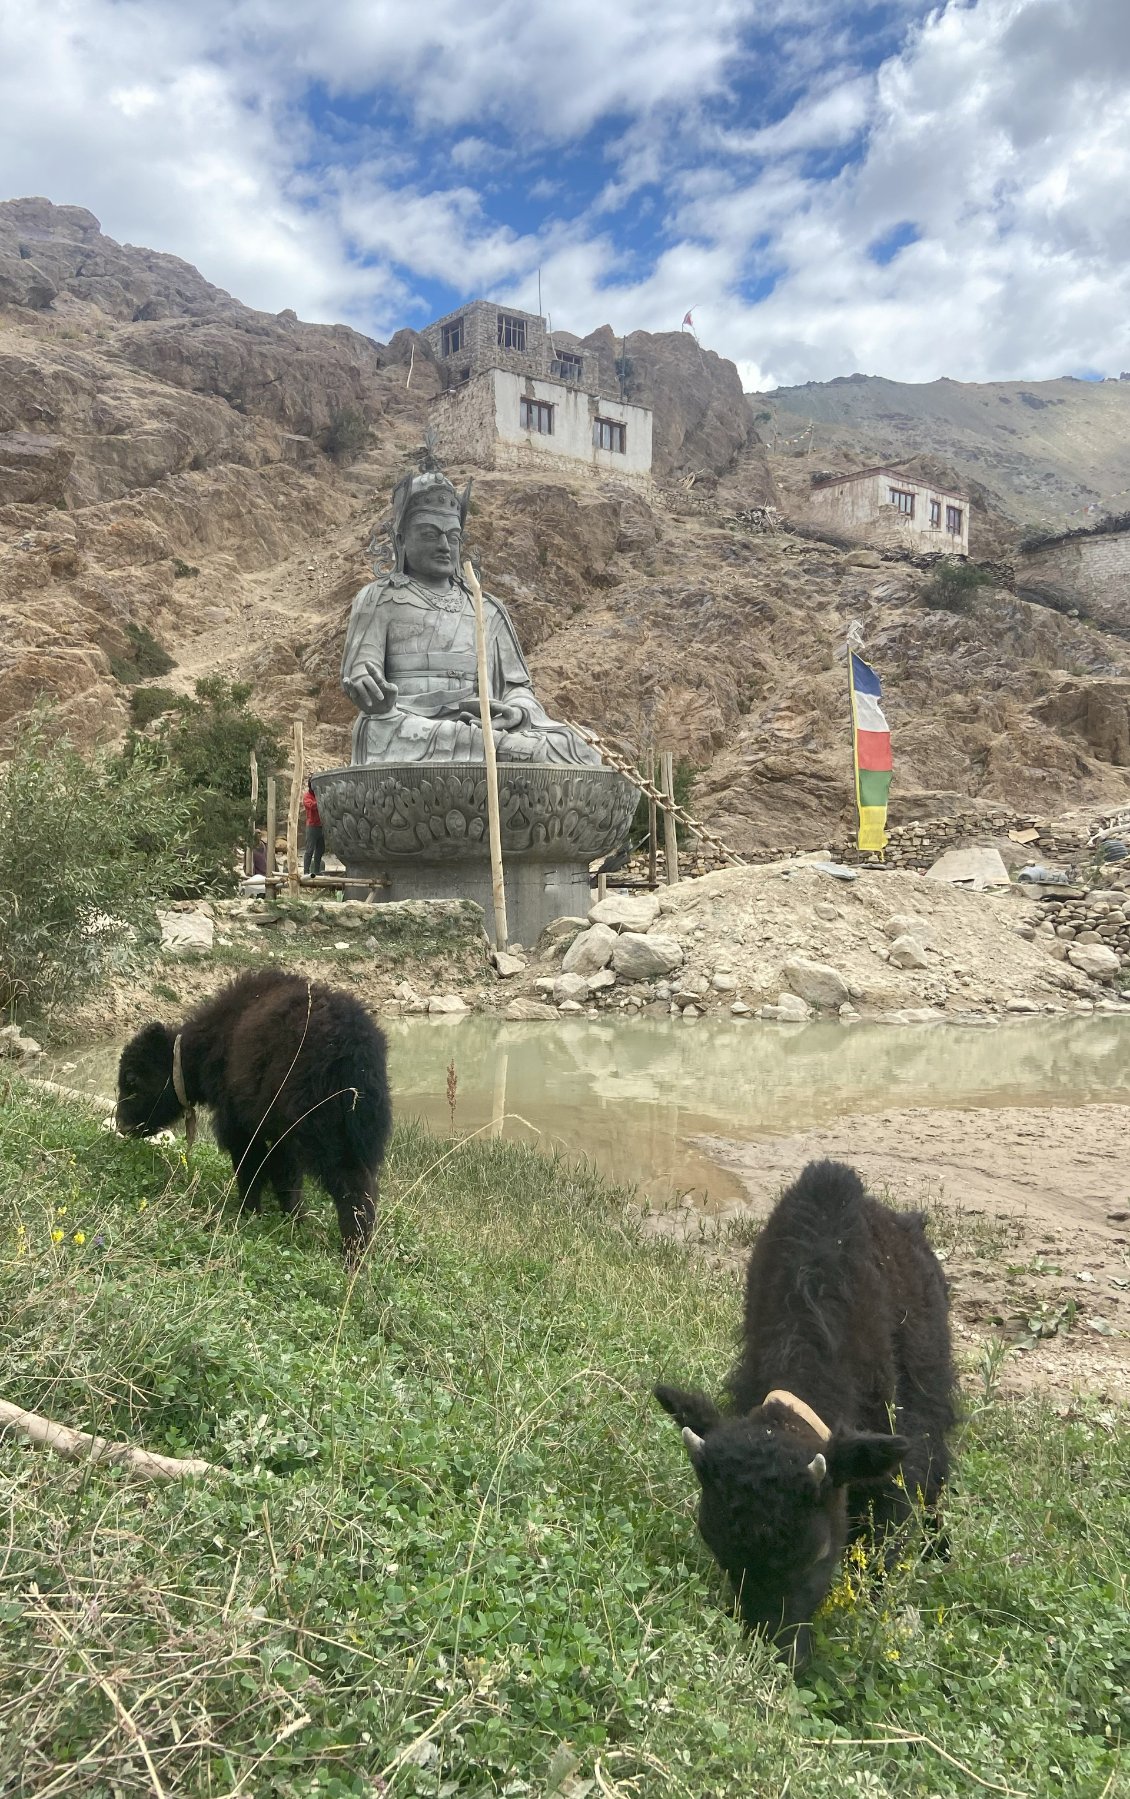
x=670 y=840
x=293 y=875
x=272 y=823
x=652 y=827
x=501 y=935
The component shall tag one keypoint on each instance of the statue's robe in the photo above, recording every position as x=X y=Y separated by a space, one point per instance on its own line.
x=424 y=643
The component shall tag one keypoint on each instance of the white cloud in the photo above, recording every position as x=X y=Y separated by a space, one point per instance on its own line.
x=287 y=150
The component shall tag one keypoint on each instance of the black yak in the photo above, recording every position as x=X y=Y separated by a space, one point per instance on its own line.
x=839 y=1406
x=294 y=1074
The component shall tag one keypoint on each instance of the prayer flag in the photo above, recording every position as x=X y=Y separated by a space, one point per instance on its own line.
x=871 y=743
x=688 y=321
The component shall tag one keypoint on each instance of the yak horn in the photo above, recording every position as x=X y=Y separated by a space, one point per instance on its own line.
x=694 y=1443
x=818 y=1468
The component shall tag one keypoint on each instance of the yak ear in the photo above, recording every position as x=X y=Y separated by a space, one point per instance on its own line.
x=691 y=1410
x=864 y=1455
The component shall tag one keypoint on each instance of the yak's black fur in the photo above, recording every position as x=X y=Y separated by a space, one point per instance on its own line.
x=846 y=1308
x=294 y=1074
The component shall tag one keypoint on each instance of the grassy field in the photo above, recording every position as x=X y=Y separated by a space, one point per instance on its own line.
x=449 y=1545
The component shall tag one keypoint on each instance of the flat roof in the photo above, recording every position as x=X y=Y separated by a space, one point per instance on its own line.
x=895 y=474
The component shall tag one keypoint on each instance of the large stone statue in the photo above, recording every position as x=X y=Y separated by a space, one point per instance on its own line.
x=409 y=664
x=411 y=809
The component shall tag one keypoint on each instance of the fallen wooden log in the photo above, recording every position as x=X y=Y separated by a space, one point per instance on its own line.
x=140 y=1463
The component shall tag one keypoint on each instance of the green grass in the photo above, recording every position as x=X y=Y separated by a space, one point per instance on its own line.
x=449 y=1531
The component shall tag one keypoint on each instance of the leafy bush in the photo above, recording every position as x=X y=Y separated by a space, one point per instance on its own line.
x=208 y=745
x=144 y=659
x=954 y=586
x=183 y=571
x=89 y=848
x=148 y=703
x=346 y=435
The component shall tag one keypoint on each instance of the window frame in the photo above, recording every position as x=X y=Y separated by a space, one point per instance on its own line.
x=528 y=406
x=614 y=428
x=511 y=332
x=568 y=359
x=936 y=515
x=453 y=336
x=955 y=520
x=895 y=495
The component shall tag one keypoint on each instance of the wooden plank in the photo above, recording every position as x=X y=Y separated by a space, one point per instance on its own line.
x=652 y=827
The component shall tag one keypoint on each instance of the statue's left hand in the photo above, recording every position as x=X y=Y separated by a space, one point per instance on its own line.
x=506 y=718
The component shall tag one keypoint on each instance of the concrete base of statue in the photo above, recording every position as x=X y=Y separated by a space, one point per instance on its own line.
x=423 y=827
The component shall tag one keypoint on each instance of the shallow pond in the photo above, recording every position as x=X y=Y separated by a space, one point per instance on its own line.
x=634 y=1096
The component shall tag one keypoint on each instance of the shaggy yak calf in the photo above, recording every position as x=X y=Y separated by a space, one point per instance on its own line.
x=294 y=1074
x=845 y=1342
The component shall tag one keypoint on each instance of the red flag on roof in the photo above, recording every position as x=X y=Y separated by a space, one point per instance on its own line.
x=688 y=320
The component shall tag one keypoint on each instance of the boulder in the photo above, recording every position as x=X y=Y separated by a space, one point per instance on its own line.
x=570 y=987
x=509 y=965
x=724 y=983
x=186 y=933
x=640 y=958
x=1095 y=960
x=602 y=980
x=570 y=1007
x=33 y=468
x=626 y=911
x=791 y=1009
x=817 y=982
x=559 y=928
x=528 y=1009
x=16 y=1047
x=447 y=1002
x=907 y=952
x=589 y=951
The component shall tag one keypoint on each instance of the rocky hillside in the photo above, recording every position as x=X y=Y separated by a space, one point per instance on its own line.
x=1036 y=453
x=176 y=466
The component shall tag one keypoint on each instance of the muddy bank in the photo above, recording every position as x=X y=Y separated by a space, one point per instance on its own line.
x=1030 y=1209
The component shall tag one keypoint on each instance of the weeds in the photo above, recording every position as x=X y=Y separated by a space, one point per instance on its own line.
x=451 y=1548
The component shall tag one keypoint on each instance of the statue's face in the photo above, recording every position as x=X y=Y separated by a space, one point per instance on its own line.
x=431 y=546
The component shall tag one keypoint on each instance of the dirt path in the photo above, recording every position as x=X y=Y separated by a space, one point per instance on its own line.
x=1030 y=1210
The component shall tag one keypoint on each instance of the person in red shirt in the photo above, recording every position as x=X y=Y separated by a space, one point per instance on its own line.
x=315 y=851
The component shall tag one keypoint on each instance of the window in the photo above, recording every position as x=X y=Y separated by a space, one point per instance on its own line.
x=567 y=367
x=535 y=415
x=451 y=338
x=935 y=512
x=902 y=501
x=609 y=434
x=953 y=520
x=511 y=332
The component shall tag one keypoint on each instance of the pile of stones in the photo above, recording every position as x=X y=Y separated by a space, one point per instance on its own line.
x=1090 y=928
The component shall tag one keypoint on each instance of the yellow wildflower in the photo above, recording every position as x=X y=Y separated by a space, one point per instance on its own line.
x=79 y=1238
x=56 y=1236
x=60 y=1211
x=142 y=1204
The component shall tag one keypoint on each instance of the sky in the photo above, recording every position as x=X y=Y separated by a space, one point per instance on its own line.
x=829 y=186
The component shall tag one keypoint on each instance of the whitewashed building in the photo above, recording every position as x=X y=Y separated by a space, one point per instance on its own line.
x=886 y=506
x=518 y=396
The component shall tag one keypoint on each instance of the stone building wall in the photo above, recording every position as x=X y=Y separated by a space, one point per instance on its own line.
x=481 y=349
x=1090 y=574
x=860 y=507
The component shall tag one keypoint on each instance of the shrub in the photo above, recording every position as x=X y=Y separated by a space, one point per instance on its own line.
x=144 y=658
x=346 y=435
x=683 y=782
x=208 y=745
x=954 y=585
x=183 y=571
x=89 y=848
x=148 y=703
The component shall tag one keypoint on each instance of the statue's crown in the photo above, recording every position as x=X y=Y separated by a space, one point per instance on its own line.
x=432 y=490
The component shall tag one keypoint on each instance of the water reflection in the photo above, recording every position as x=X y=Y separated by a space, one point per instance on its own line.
x=632 y=1096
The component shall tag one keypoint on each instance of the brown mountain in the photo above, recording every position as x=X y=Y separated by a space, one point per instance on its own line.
x=174 y=463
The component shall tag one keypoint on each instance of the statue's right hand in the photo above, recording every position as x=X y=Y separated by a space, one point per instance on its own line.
x=370 y=692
